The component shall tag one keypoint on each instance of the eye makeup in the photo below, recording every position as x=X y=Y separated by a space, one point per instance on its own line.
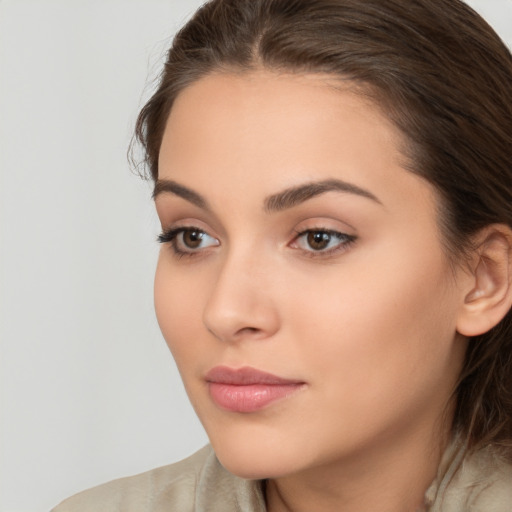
x=317 y=242
x=187 y=240
x=321 y=242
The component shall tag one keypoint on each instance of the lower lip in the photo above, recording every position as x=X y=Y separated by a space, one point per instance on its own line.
x=251 y=397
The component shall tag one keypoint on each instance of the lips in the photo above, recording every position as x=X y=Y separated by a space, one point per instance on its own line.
x=247 y=389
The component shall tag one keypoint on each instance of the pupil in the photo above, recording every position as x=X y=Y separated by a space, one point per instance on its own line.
x=192 y=238
x=318 y=240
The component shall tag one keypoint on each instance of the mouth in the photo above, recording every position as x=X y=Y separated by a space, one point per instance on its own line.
x=247 y=389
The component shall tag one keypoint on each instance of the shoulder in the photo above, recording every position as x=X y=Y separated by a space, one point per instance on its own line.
x=181 y=486
x=488 y=480
x=137 y=493
x=482 y=483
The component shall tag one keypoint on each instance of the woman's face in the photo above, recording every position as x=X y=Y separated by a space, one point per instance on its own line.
x=296 y=244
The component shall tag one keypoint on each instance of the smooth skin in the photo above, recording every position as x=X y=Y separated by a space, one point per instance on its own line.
x=346 y=287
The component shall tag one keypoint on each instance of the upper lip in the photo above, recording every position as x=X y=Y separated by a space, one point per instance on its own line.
x=245 y=377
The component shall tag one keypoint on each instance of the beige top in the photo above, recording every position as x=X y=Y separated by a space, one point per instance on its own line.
x=480 y=483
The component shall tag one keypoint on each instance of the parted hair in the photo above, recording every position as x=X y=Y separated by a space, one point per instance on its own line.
x=444 y=78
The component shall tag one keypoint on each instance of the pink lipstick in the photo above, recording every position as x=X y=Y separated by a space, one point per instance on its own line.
x=247 y=389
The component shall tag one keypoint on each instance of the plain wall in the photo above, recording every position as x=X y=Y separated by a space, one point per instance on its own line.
x=89 y=391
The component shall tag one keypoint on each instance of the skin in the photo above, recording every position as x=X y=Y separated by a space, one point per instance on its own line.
x=369 y=325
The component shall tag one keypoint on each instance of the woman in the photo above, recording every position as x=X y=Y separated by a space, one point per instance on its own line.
x=334 y=184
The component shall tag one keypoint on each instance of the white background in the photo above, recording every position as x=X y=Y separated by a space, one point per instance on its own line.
x=88 y=390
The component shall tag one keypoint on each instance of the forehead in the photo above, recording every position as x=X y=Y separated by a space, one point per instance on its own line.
x=262 y=131
x=263 y=113
x=231 y=97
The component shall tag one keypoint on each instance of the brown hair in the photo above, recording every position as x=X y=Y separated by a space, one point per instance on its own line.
x=439 y=72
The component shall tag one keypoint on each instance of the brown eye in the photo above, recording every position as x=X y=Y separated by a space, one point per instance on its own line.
x=188 y=240
x=323 y=242
x=318 y=240
x=192 y=238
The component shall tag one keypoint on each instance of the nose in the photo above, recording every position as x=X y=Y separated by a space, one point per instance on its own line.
x=241 y=304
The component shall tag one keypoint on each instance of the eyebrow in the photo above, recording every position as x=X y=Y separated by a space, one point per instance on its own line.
x=176 y=189
x=275 y=203
x=296 y=195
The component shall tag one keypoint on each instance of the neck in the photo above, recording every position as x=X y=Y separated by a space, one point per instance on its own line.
x=392 y=477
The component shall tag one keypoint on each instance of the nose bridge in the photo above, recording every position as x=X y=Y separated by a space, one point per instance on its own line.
x=240 y=303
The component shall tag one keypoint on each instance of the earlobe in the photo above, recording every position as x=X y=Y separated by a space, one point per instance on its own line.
x=489 y=297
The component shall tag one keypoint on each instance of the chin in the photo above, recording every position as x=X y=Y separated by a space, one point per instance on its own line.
x=267 y=444
x=252 y=466
x=256 y=455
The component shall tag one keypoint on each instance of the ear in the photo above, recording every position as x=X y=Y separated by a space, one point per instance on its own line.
x=489 y=285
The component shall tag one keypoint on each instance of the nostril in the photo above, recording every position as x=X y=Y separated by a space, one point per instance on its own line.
x=249 y=330
x=244 y=331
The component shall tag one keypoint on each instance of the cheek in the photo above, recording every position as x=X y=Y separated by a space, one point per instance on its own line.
x=178 y=310
x=378 y=332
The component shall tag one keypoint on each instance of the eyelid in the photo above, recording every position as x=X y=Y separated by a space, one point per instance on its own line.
x=180 y=247
x=171 y=236
x=172 y=223
x=345 y=242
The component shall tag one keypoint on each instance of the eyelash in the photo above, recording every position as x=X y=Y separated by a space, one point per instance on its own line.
x=171 y=236
x=345 y=241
